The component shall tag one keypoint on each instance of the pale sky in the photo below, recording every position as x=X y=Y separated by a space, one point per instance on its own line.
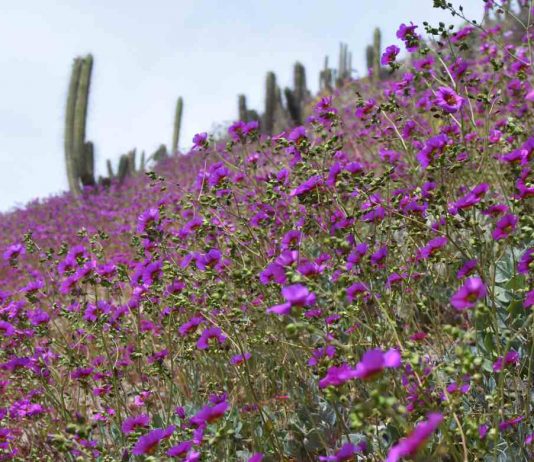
x=146 y=54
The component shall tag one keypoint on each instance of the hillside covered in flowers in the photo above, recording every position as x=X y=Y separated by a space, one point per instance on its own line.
x=356 y=288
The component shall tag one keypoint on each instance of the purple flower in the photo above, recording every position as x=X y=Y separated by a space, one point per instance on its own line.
x=432 y=247
x=506 y=424
x=297 y=134
x=409 y=446
x=7 y=329
x=525 y=262
x=319 y=353
x=310 y=184
x=295 y=295
x=357 y=288
x=408 y=35
x=467 y=268
x=180 y=450
x=147 y=444
x=467 y=295
x=377 y=259
x=256 y=457
x=134 y=422
x=375 y=361
x=200 y=141
x=190 y=326
x=345 y=453
x=389 y=56
x=337 y=376
x=240 y=359
x=448 y=100
x=512 y=357
x=147 y=219
x=432 y=149
x=529 y=299
x=505 y=226
x=209 y=333
x=209 y=414
x=13 y=251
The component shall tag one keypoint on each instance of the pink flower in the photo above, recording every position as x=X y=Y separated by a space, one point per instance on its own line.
x=505 y=226
x=207 y=335
x=512 y=357
x=467 y=295
x=345 y=453
x=389 y=56
x=410 y=445
x=147 y=444
x=240 y=359
x=131 y=423
x=448 y=100
x=209 y=414
x=295 y=295
x=375 y=361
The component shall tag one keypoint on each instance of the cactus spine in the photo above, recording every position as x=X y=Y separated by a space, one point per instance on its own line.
x=177 y=124
x=79 y=154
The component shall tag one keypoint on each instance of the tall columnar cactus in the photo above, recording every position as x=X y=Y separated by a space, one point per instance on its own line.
x=270 y=103
x=297 y=98
x=242 y=108
x=377 y=51
x=79 y=155
x=70 y=160
x=369 y=58
x=142 y=162
x=123 y=169
x=177 y=124
x=325 y=77
x=87 y=172
x=342 y=63
x=160 y=153
x=110 y=169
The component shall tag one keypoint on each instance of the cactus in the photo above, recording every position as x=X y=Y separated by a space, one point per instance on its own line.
x=325 y=77
x=131 y=162
x=281 y=118
x=270 y=103
x=142 y=162
x=122 y=171
x=160 y=153
x=345 y=64
x=377 y=48
x=87 y=172
x=79 y=154
x=177 y=124
x=297 y=98
x=369 y=58
x=242 y=108
x=110 y=169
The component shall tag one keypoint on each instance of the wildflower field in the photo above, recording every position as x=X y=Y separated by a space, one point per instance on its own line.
x=356 y=288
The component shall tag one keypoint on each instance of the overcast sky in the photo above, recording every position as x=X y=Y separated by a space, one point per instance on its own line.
x=146 y=54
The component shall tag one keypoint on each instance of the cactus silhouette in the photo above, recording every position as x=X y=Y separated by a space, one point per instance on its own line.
x=177 y=124
x=369 y=58
x=79 y=154
x=377 y=49
x=242 y=108
x=270 y=103
x=325 y=77
x=297 y=98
